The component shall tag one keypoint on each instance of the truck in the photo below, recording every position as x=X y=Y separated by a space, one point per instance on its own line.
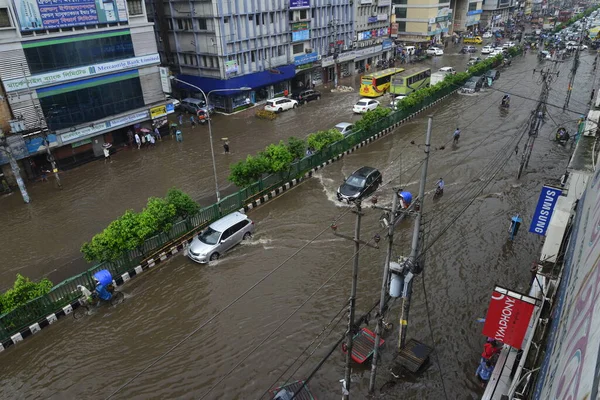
x=437 y=77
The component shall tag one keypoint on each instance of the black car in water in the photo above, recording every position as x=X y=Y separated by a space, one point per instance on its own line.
x=468 y=49
x=304 y=96
x=363 y=182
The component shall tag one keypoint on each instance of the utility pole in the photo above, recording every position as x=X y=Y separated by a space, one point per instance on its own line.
x=352 y=300
x=4 y=146
x=573 y=71
x=413 y=268
x=333 y=25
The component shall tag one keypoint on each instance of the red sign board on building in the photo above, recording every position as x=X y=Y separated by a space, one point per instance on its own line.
x=508 y=317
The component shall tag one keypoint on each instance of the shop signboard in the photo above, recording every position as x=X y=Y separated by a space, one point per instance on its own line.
x=444 y=14
x=382 y=17
x=508 y=317
x=387 y=44
x=231 y=67
x=300 y=36
x=65 y=75
x=157 y=112
x=36 y=15
x=306 y=58
x=472 y=20
x=170 y=108
x=299 y=4
x=165 y=81
x=37 y=144
x=384 y=3
x=474 y=12
x=544 y=210
x=366 y=1
x=98 y=128
x=299 y=26
x=370 y=20
x=342 y=57
x=17 y=146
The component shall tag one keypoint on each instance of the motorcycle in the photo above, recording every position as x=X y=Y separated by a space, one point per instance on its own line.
x=438 y=192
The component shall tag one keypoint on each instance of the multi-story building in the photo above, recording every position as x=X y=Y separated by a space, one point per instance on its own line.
x=415 y=21
x=372 y=27
x=495 y=12
x=467 y=15
x=77 y=75
x=270 y=46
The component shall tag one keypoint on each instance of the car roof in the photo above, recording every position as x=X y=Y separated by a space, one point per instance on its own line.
x=343 y=125
x=227 y=221
x=278 y=98
x=446 y=68
x=364 y=171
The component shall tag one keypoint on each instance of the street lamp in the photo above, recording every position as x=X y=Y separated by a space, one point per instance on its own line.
x=212 y=150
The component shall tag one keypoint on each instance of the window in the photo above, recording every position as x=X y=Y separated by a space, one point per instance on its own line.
x=180 y=24
x=298 y=48
x=86 y=104
x=401 y=12
x=272 y=16
x=399 y=1
x=251 y=17
x=303 y=14
x=401 y=26
x=314 y=10
x=226 y=20
x=280 y=51
x=76 y=51
x=135 y=7
x=170 y=24
x=202 y=24
x=472 y=6
x=4 y=18
x=253 y=56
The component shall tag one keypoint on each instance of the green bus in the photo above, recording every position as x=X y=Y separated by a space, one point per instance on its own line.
x=410 y=80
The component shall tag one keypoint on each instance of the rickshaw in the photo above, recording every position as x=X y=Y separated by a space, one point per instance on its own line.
x=202 y=115
x=104 y=282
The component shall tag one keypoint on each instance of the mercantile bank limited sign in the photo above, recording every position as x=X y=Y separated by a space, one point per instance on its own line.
x=66 y=75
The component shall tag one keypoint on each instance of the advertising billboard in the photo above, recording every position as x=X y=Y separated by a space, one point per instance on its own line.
x=299 y=4
x=300 y=31
x=231 y=67
x=52 y=14
x=544 y=209
x=508 y=317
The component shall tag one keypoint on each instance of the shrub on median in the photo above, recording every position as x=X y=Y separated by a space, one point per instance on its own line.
x=371 y=117
x=130 y=231
x=23 y=291
x=264 y=114
x=321 y=139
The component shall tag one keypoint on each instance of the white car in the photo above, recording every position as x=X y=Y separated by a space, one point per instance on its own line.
x=395 y=100
x=345 y=128
x=498 y=49
x=495 y=53
x=487 y=35
x=508 y=45
x=434 y=51
x=487 y=49
x=176 y=103
x=448 y=70
x=364 y=105
x=279 y=104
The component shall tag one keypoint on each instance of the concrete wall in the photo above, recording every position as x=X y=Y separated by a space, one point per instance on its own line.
x=570 y=368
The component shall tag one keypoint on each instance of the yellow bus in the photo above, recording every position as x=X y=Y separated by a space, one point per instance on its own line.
x=410 y=80
x=377 y=83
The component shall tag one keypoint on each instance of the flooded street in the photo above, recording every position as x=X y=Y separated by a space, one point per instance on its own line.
x=92 y=357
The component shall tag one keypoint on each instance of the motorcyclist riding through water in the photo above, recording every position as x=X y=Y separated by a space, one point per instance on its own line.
x=440 y=187
x=456 y=135
x=506 y=101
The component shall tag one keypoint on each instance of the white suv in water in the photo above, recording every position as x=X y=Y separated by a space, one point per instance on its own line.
x=279 y=104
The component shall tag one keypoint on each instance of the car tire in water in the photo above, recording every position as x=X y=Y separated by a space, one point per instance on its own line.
x=214 y=256
x=279 y=110
x=318 y=98
x=295 y=105
x=247 y=236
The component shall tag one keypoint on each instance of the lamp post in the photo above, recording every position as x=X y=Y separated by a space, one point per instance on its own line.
x=212 y=150
x=5 y=148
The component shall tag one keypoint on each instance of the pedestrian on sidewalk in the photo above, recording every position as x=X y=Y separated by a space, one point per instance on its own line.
x=151 y=140
x=491 y=350
x=226 y=147
x=44 y=174
x=106 y=154
x=157 y=133
x=484 y=372
x=193 y=121
x=314 y=83
x=180 y=118
x=143 y=139
x=138 y=141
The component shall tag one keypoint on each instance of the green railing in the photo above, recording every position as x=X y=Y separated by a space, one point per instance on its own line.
x=66 y=291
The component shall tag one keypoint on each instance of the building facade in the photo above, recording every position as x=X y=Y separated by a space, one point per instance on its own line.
x=467 y=15
x=415 y=21
x=77 y=75
x=270 y=46
x=495 y=12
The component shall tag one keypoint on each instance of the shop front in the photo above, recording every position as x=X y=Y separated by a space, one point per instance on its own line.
x=368 y=56
x=345 y=66
x=308 y=67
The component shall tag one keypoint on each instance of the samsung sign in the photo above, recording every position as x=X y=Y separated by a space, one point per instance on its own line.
x=66 y=75
x=544 y=210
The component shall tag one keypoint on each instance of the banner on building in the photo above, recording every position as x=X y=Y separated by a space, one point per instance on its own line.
x=157 y=112
x=544 y=209
x=231 y=67
x=394 y=30
x=300 y=31
x=52 y=14
x=65 y=75
x=100 y=127
x=299 y=4
x=508 y=317
x=165 y=81
x=306 y=58
x=386 y=44
x=384 y=3
x=17 y=146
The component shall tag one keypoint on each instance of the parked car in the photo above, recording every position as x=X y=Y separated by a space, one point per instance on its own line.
x=364 y=105
x=468 y=49
x=345 y=128
x=486 y=49
x=508 y=45
x=474 y=84
x=279 y=104
x=219 y=237
x=361 y=183
x=473 y=61
x=304 y=96
x=492 y=73
x=487 y=35
x=395 y=100
x=176 y=103
x=192 y=105
x=434 y=51
x=448 y=70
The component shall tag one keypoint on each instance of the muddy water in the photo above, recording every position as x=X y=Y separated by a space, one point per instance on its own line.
x=462 y=267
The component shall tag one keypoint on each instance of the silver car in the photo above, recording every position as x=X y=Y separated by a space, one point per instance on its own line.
x=219 y=237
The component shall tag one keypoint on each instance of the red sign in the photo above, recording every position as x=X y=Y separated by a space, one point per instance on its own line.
x=508 y=317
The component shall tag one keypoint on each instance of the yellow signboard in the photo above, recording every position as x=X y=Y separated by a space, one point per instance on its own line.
x=158 y=112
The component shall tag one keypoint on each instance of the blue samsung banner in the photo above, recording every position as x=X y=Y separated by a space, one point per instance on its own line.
x=544 y=209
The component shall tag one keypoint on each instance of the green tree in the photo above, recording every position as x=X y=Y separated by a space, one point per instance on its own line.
x=371 y=117
x=248 y=171
x=278 y=157
x=296 y=147
x=157 y=216
x=185 y=206
x=321 y=139
x=23 y=290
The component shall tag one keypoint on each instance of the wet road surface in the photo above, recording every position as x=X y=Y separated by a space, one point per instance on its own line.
x=91 y=357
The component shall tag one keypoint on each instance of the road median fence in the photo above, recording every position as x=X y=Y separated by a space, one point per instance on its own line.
x=38 y=313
